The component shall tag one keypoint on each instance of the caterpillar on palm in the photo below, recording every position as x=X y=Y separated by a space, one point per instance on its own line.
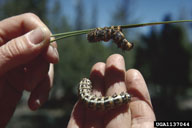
x=102 y=102
x=105 y=34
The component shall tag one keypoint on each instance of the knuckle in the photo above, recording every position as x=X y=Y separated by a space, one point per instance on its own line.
x=3 y=56
x=9 y=51
x=15 y=47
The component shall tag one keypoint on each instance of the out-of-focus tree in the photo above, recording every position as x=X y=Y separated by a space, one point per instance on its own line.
x=164 y=59
x=123 y=13
x=79 y=19
x=15 y=7
x=94 y=15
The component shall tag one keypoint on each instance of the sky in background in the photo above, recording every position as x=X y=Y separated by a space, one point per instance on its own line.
x=142 y=11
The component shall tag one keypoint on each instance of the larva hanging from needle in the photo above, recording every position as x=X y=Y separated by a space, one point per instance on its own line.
x=105 y=34
x=102 y=102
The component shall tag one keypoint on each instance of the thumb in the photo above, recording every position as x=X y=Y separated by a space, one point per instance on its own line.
x=23 y=49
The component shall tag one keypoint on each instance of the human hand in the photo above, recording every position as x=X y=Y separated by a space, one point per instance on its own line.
x=109 y=78
x=25 y=57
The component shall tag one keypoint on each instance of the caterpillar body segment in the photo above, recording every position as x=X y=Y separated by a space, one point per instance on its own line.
x=101 y=102
x=121 y=41
x=101 y=34
x=107 y=33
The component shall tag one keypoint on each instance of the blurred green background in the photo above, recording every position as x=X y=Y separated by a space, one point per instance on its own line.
x=163 y=54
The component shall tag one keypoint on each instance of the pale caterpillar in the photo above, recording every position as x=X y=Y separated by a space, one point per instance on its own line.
x=102 y=102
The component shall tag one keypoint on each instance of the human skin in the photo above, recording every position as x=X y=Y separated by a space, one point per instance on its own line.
x=26 y=63
x=26 y=66
x=109 y=78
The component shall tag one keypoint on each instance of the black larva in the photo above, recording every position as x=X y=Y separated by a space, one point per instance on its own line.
x=102 y=102
x=105 y=34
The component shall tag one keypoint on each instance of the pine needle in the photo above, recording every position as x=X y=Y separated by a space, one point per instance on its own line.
x=60 y=36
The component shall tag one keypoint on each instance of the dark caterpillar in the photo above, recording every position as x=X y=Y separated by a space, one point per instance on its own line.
x=102 y=102
x=105 y=34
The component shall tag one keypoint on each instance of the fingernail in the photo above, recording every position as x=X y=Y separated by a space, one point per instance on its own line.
x=37 y=36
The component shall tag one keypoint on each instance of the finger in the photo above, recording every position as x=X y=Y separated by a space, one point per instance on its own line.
x=51 y=55
x=141 y=108
x=115 y=83
x=95 y=118
x=91 y=118
x=29 y=76
x=115 y=74
x=18 y=25
x=77 y=118
x=34 y=73
x=97 y=78
x=8 y=101
x=41 y=93
x=23 y=49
